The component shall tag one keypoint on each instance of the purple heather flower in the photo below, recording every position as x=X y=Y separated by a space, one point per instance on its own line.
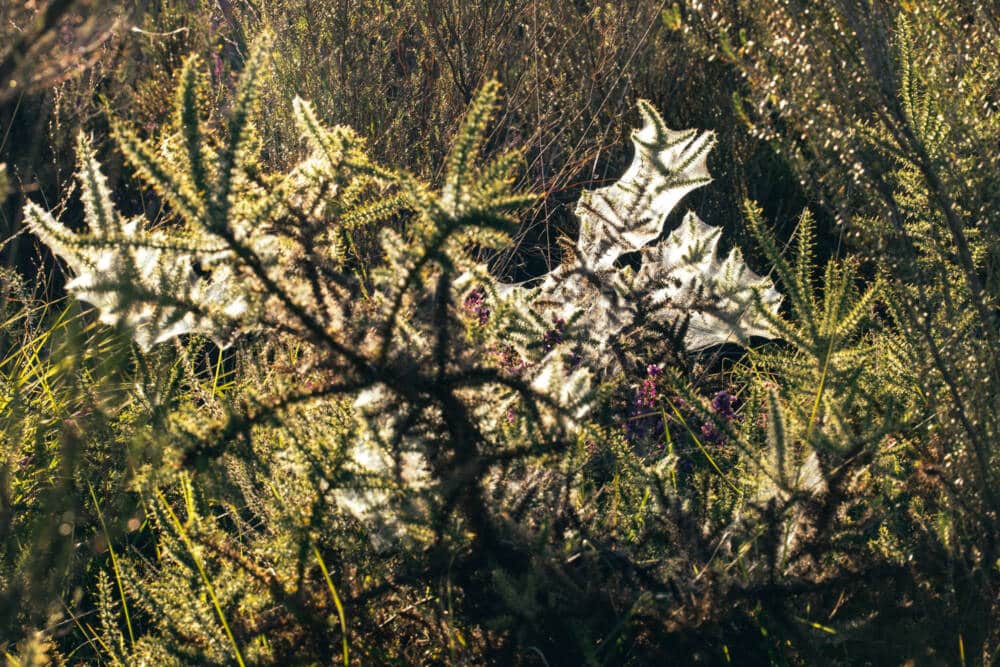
x=640 y=422
x=646 y=396
x=475 y=305
x=217 y=66
x=554 y=336
x=508 y=358
x=710 y=434
x=724 y=405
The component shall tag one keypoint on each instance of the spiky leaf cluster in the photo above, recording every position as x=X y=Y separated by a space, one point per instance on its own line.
x=681 y=285
x=250 y=250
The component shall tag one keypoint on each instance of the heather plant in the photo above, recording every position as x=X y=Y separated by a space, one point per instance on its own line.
x=884 y=113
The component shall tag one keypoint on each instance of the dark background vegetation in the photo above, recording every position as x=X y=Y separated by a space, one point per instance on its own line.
x=402 y=74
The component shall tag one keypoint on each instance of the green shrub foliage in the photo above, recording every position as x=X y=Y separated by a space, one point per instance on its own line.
x=308 y=420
